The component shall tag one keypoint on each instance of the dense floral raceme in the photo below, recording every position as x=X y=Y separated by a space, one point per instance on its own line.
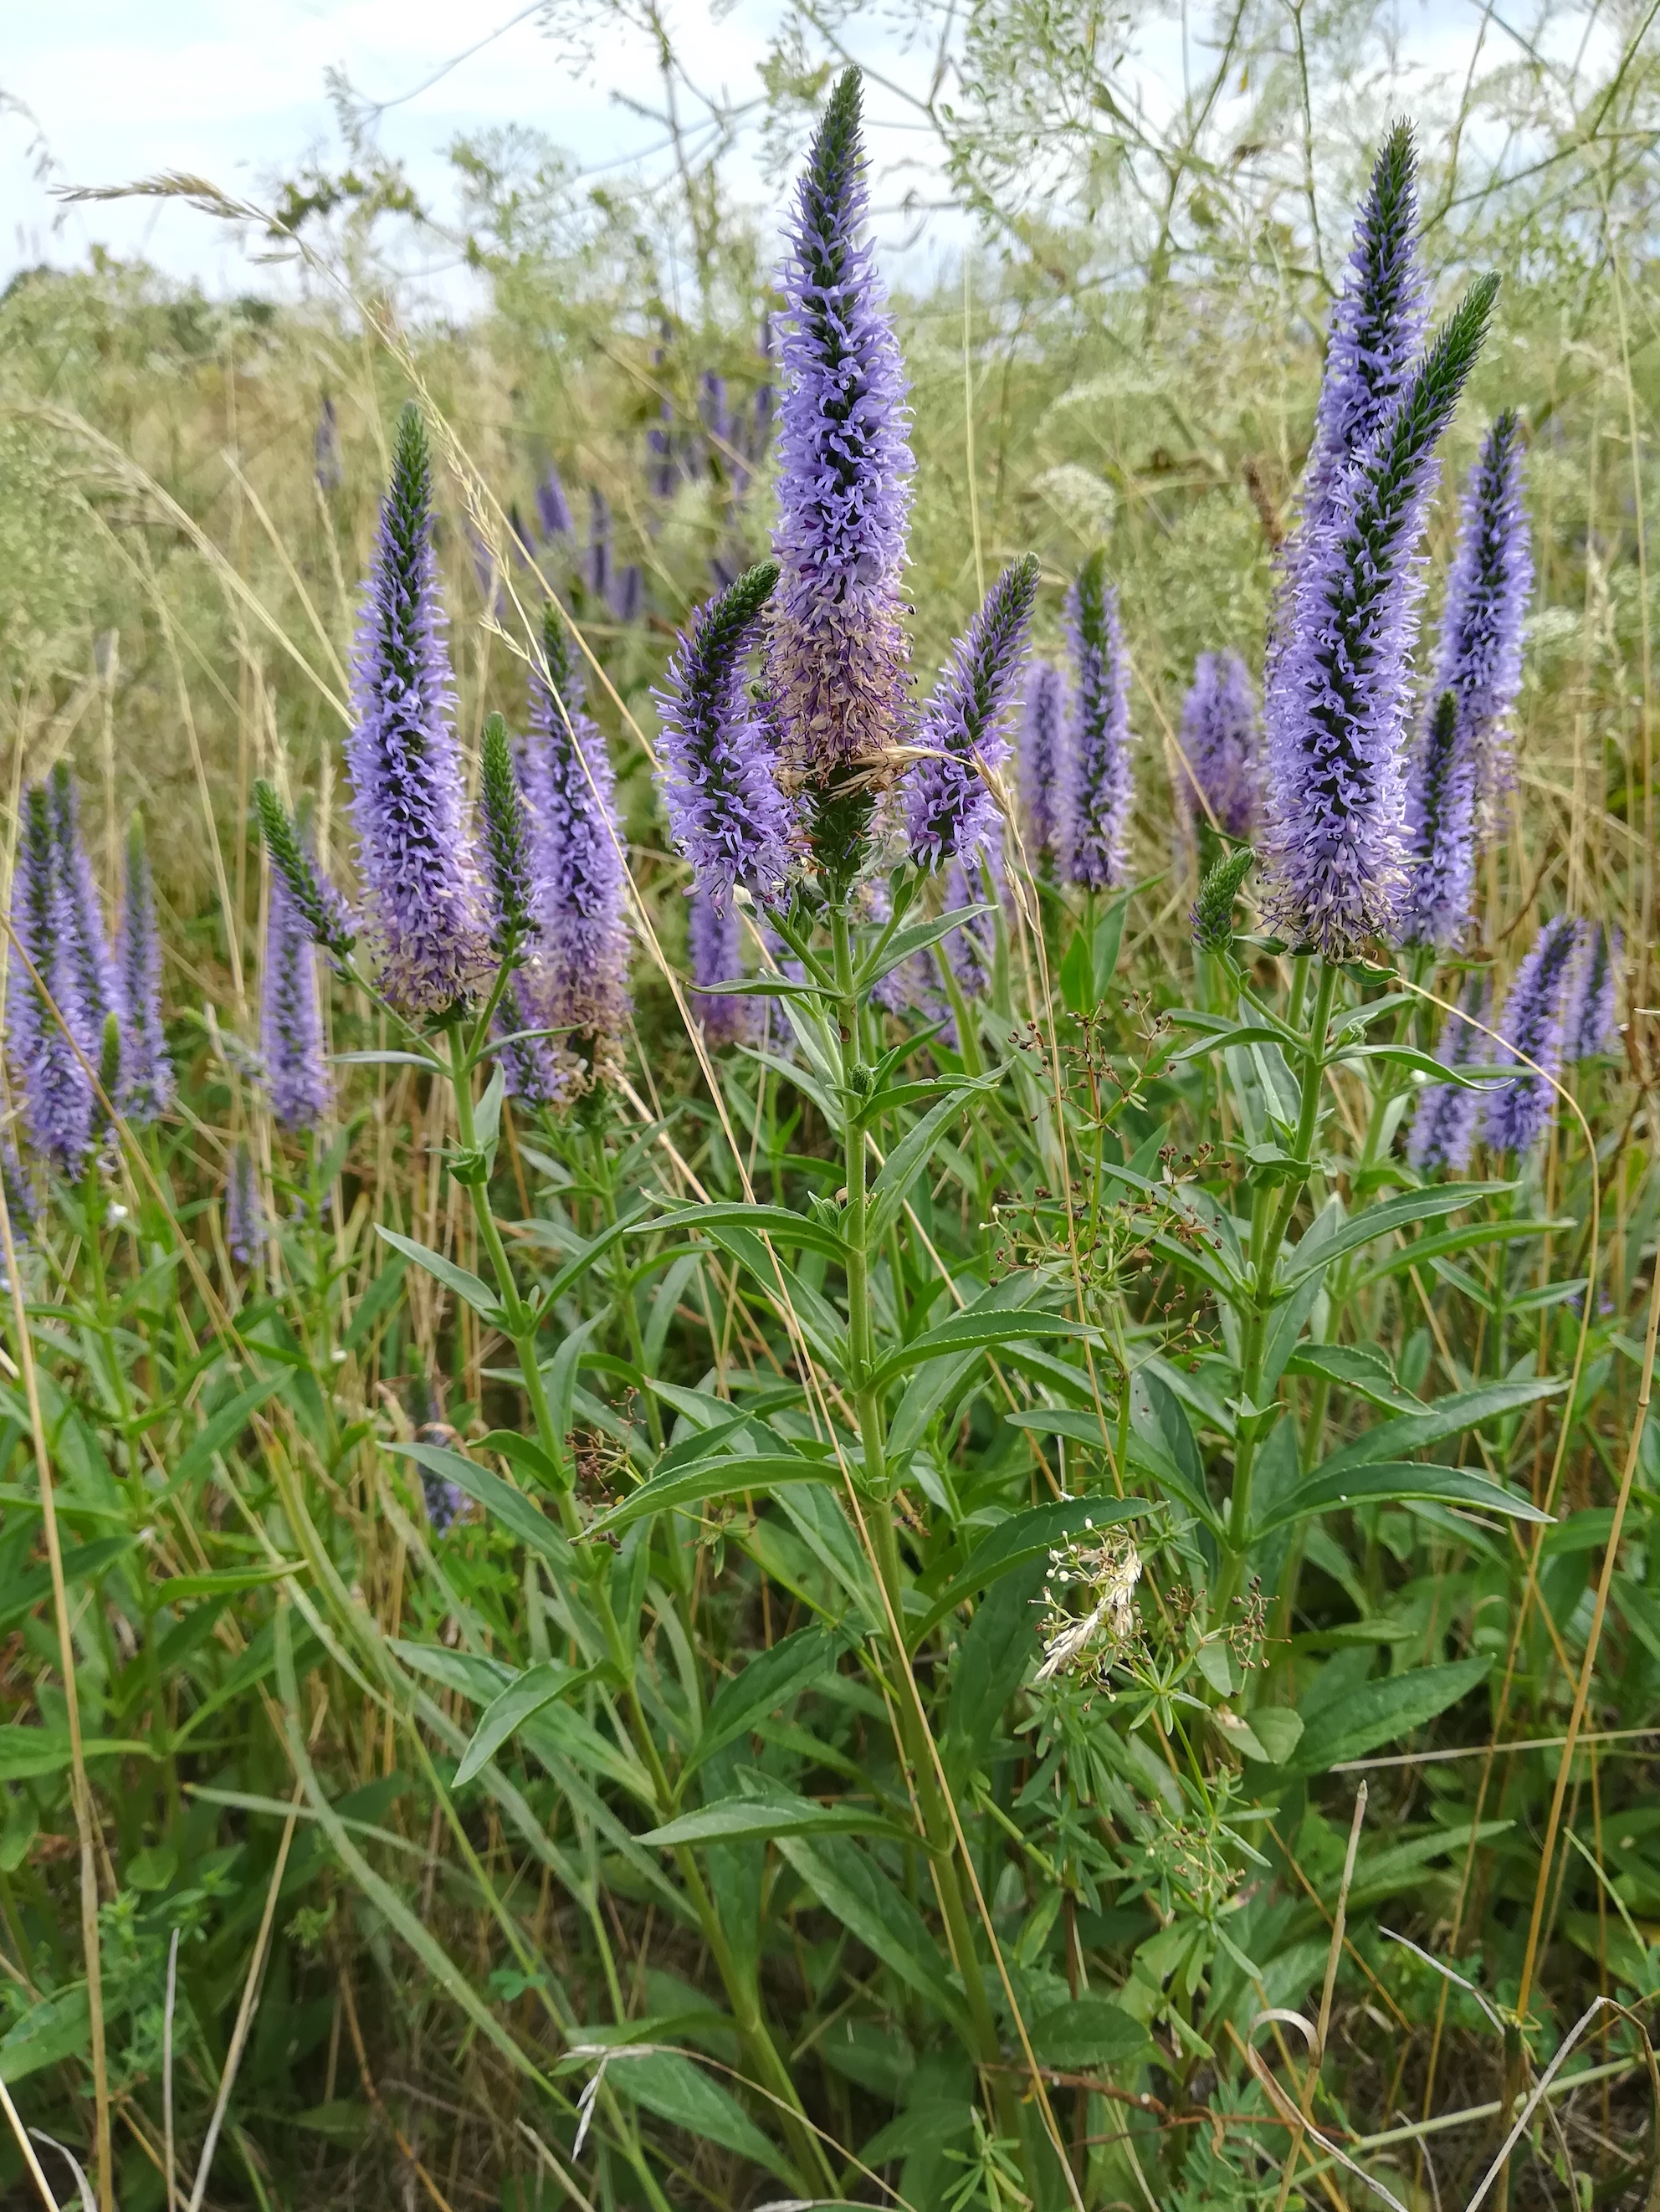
x=1480 y=655
x=45 y=1017
x=1443 y=1122
x=949 y=811
x=408 y=800
x=146 y=1070
x=836 y=650
x=290 y=1021
x=553 y=511
x=725 y=811
x=320 y=905
x=970 y=949
x=715 y=937
x=1589 y=1020
x=244 y=1209
x=1377 y=327
x=97 y=988
x=528 y=1060
x=1042 y=754
x=1100 y=788
x=1531 y=1024
x=1440 y=859
x=1339 y=679
x=1221 y=775
x=579 y=891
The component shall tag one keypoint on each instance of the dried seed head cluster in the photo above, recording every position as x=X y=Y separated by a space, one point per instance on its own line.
x=1089 y=1622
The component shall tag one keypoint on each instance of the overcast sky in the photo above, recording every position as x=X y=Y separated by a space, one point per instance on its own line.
x=234 y=90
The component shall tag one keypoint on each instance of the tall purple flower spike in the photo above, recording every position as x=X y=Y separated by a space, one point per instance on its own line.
x=1100 y=795
x=836 y=650
x=1338 y=689
x=1488 y=585
x=1377 y=328
x=1221 y=746
x=1443 y=1131
x=1517 y=1111
x=726 y=814
x=715 y=939
x=1042 y=754
x=57 y=1093
x=1589 y=1021
x=628 y=597
x=949 y=812
x=146 y=1071
x=969 y=950
x=1440 y=880
x=552 y=509
x=596 y=567
x=97 y=987
x=416 y=861
x=579 y=895
x=244 y=1210
x=528 y=1061
x=290 y=1022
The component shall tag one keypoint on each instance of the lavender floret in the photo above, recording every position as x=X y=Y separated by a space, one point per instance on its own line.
x=1480 y=659
x=290 y=1021
x=55 y=1081
x=1339 y=680
x=1517 y=1110
x=1100 y=793
x=1443 y=1122
x=949 y=811
x=726 y=814
x=408 y=801
x=146 y=1070
x=1220 y=777
x=1589 y=1021
x=836 y=650
x=1440 y=834
x=1042 y=754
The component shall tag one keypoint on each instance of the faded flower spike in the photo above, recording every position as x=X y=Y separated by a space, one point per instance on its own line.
x=1440 y=834
x=408 y=801
x=837 y=651
x=581 y=895
x=1340 y=676
x=1480 y=659
x=41 y=1037
x=1089 y=1594
x=949 y=812
x=146 y=1070
x=1100 y=788
x=1517 y=1111
x=1042 y=753
x=1221 y=747
x=1213 y=910
x=1590 y=1025
x=1443 y=1122
x=726 y=812
x=290 y=1022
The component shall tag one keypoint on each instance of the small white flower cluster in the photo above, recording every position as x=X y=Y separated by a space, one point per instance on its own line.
x=1090 y=1617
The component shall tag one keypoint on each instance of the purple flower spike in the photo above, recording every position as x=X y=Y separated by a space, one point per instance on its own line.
x=325 y=449
x=726 y=814
x=837 y=651
x=1042 y=754
x=1590 y=1025
x=628 y=595
x=1340 y=674
x=716 y=417
x=531 y=1066
x=408 y=803
x=1221 y=747
x=97 y=993
x=579 y=894
x=1100 y=786
x=552 y=509
x=244 y=1210
x=949 y=811
x=146 y=1070
x=22 y=1201
x=1377 y=325
x=1488 y=585
x=596 y=567
x=57 y=1095
x=1440 y=834
x=1443 y=1133
x=715 y=937
x=969 y=950
x=1517 y=1111
x=290 y=1022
